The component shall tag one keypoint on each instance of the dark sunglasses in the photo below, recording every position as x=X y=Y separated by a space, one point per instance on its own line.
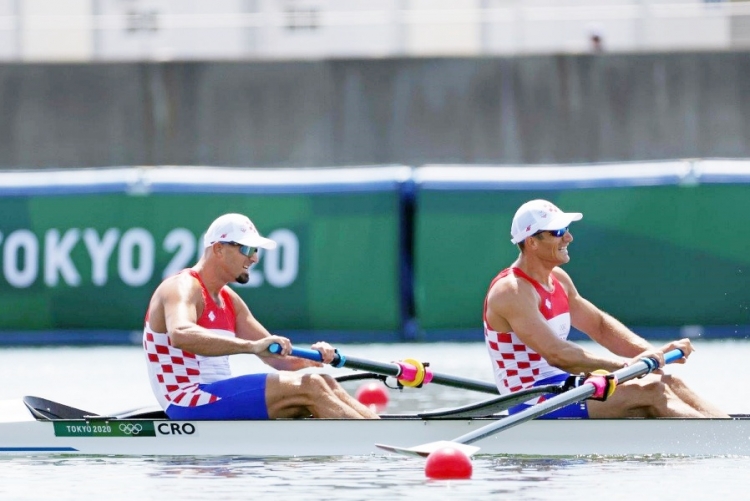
x=244 y=249
x=554 y=233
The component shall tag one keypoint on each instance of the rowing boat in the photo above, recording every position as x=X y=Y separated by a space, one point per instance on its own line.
x=36 y=426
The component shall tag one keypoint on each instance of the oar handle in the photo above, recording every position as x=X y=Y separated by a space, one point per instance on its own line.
x=673 y=356
x=339 y=360
x=406 y=372
x=650 y=365
x=315 y=355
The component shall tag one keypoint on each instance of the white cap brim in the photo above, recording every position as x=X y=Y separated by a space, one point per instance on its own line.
x=562 y=220
x=258 y=241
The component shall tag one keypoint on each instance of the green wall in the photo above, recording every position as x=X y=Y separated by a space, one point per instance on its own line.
x=336 y=268
x=650 y=255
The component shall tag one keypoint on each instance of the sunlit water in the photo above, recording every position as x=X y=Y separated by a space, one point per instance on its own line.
x=111 y=379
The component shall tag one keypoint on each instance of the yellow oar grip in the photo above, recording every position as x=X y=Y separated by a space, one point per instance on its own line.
x=611 y=388
x=416 y=378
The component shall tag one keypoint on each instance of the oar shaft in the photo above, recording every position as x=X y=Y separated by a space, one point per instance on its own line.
x=392 y=369
x=464 y=384
x=644 y=366
x=387 y=369
x=397 y=369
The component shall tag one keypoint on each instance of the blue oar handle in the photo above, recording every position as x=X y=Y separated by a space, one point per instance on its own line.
x=338 y=360
x=669 y=357
x=673 y=356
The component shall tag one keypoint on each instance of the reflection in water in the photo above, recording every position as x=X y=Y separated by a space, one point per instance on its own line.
x=227 y=467
x=233 y=466
x=318 y=474
x=526 y=464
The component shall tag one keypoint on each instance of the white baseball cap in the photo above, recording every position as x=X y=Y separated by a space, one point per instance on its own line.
x=538 y=215
x=235 y=228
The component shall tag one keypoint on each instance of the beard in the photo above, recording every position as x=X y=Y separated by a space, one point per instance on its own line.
x=242 y=278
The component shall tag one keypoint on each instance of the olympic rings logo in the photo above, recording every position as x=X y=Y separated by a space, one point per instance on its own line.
x=131 y=429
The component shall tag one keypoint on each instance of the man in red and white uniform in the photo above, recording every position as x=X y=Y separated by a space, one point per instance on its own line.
x=195 y=321
x=528 y=312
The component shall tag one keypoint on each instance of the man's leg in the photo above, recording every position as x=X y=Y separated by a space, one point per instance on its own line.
x=688 y=396
x=342 y=394
x=290 y=394
x=649 y=396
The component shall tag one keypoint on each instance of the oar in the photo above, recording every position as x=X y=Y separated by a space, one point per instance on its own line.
x=494 y=405
x=586 y=390
x=409 y=372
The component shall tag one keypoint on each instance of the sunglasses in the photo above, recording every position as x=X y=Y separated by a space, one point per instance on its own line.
x=554 y=233
x=245 y=250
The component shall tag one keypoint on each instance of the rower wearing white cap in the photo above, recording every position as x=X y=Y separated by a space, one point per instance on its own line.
x=195 y=321
x=528 y=312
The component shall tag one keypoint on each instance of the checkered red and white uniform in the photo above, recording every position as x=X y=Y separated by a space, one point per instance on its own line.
x=175 y=374
x=515 y=365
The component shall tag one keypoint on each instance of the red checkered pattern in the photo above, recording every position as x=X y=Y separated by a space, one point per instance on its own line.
x=515 y=365
x=174 y=373
x=177 y=372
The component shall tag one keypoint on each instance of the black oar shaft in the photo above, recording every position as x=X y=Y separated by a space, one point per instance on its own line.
x=464 y=384
x=386 y=369
x=392 y=369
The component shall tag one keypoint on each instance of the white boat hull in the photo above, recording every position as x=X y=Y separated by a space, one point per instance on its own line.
x=21 y=433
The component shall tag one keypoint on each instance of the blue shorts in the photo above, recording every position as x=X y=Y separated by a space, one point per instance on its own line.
x=241 y=397
x=576 y=410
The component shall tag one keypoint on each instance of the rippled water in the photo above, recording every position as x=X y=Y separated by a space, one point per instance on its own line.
x=111 y=379
x=376 y=477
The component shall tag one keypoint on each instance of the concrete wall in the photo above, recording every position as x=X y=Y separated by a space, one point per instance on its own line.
x=534 y=109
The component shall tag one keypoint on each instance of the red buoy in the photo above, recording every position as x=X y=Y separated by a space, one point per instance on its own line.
x=374 y=395
x=448 y=463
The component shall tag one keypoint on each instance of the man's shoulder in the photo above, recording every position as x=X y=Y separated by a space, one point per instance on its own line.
x=228 y=291
x=561 y=275
x=509 y=297
x=178 y=283
x=507 y=286
x=178 y=278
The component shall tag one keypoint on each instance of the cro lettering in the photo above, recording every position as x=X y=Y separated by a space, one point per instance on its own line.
x=176 y=429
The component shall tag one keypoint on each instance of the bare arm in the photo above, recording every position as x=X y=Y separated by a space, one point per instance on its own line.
x=610 y=332
x=513 y=304
x=249 y=328
x=600 y=326
x=178 y=303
